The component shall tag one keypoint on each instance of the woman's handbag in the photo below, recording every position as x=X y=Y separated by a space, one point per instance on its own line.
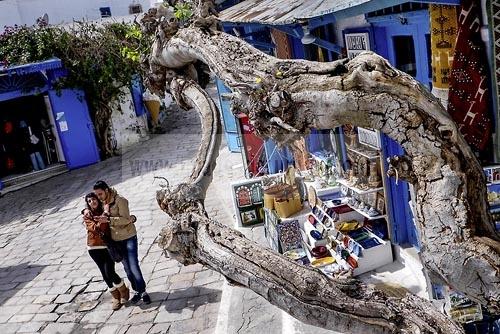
x=113 y=246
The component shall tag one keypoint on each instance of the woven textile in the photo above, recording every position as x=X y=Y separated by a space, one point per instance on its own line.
x=443 y=20
x=468 y=96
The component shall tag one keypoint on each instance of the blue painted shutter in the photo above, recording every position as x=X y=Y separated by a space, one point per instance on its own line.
x=78 y=141
x=229 y=120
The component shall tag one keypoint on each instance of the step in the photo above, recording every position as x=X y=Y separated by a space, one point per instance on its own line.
x=16 y=182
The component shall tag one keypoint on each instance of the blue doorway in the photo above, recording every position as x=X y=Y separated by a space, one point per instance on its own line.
x=74 y=127
x=405 y=41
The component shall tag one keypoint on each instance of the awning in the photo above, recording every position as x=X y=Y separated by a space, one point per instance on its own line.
x=50 y=64
x=283 y=12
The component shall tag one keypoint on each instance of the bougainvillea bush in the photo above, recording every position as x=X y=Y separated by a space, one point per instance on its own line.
x=100 y=59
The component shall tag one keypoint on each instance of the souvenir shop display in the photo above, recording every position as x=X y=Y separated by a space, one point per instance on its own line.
x=343 y=229
x=362 y=184
x=248 y=201
x=492 y=174
x=282 y=194
x=355 y=243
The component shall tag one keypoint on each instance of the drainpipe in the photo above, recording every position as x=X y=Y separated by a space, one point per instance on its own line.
x=485 y=36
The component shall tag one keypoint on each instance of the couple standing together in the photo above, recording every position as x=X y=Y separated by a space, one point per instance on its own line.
x=109 y=223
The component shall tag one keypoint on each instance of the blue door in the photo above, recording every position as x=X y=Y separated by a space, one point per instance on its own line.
x=75 y=128
x=406 y=46
x=404 y=230
x=404 y=41
x=136 y=89
x=229 y=120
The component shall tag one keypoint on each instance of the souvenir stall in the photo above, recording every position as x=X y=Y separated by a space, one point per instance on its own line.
x=492 y=174
x=341 y=228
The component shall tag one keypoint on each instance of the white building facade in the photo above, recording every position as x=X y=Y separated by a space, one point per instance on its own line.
x=26 y=12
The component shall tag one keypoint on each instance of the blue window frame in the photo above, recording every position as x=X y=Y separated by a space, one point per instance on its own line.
x=105 y=11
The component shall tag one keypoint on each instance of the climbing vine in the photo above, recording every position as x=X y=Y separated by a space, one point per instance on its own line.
x=100 y=59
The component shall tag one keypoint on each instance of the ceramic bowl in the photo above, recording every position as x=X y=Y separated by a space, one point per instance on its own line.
x=316 y=234
x=319 y=251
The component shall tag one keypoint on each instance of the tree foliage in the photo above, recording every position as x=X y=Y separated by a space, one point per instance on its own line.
x=100 y=59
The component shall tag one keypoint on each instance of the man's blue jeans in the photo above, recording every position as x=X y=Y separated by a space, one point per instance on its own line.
x=130 y=262
x=37 y=161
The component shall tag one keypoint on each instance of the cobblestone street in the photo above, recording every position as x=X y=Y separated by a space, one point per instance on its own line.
x=49 y=283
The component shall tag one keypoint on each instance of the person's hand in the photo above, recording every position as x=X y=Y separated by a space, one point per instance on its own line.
x=102 y=219
x=86 y=213
x=133 y=219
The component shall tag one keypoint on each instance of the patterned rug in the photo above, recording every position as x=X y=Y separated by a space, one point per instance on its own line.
x=468 y=101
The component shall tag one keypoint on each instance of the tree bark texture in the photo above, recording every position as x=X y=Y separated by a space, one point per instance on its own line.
x=286 y=98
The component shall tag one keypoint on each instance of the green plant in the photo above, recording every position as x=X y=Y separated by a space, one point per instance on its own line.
x=100 y=59
x=183 y=11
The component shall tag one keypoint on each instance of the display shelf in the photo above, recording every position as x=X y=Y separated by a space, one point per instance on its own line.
x=332 y=222
x=364 y=214
x=371 y=157
x=494 y=205
x=311 y=258
x=322 y=191
x=357 y=190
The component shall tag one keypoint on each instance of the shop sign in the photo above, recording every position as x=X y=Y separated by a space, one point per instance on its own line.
x=356 y=43
x=369 y=137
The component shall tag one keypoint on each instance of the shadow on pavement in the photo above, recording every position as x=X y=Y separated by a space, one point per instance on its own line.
x=191 y=298
x=14 y=278
x=58 y=194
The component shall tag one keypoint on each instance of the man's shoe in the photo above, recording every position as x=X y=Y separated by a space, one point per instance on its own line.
x=135 y=298
x=145 y=298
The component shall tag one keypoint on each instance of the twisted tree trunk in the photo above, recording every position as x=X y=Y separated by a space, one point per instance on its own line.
x=284 y=99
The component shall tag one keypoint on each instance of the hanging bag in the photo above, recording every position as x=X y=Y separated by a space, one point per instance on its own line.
x=287 y=202
x=33 y=139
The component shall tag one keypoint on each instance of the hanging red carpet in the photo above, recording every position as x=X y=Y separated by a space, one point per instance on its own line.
x=468 y=100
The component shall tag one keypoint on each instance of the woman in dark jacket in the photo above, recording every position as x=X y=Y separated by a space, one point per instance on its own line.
x=99 y=253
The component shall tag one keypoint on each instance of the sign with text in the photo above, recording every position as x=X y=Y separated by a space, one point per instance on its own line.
x=356 y=43
x=369 y=137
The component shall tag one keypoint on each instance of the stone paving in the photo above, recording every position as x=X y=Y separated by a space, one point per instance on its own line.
x=49 y=284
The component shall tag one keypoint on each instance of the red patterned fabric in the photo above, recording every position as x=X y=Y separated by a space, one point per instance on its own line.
x=468 y=98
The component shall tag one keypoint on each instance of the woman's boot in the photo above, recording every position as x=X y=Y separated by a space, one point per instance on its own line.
x=115 y=302
x=124 y=292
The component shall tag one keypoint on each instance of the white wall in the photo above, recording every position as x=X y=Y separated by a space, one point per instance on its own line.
x=61 y=11
x=128 y=129
x=9 y=13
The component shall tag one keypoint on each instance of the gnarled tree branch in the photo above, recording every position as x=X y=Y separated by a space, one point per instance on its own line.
x=459 y=242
